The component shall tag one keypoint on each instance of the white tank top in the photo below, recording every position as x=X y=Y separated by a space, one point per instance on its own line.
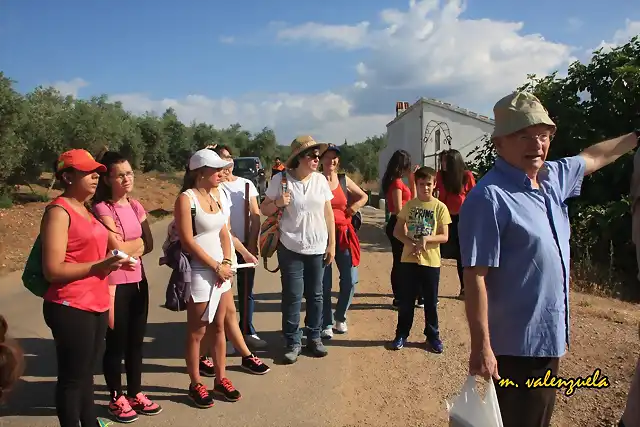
x=208 y=226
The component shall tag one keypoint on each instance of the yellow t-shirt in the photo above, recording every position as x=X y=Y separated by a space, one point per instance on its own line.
x=423 y=219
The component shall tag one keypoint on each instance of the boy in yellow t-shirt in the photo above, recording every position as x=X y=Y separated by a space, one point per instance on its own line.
x=423 y=224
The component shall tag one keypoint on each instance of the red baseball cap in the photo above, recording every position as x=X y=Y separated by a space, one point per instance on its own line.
x=80 y=160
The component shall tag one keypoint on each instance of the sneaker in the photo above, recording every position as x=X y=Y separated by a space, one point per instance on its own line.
x=316 y=348
x=420 y=303
x=206 y=367
x=254 y=365
x=121 y=409
x=225 y=389
x=143 y=405
x=230 y=349
x=200 y=396
x=436 y=345
x=398 y=343
x=341 y=327
x=255 y=341
x=327 y=333
x=291 y=354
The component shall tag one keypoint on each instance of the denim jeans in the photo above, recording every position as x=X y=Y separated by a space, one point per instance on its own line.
x=348 y=279
x=246 y=302
x=416 y=277
x=300 y=275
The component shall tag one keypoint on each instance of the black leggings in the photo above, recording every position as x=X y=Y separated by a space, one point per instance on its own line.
x=454 y=240
x=125 y=340
x=78 y=336
x=396 y=269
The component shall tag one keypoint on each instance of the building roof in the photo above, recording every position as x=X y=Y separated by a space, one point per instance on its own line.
x=445 y=106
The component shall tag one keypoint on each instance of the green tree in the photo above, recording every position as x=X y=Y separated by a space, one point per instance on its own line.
x=12 y=109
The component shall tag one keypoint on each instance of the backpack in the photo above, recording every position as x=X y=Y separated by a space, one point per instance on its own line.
x=176 y=293
x=356 y=220
x=33 y=275
x=270 y=232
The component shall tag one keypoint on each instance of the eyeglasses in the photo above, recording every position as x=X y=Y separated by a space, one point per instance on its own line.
x=543 y=137
x=312 y=156
x=122 y=176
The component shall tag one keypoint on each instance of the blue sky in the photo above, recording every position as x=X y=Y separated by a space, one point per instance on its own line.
x=252 y=62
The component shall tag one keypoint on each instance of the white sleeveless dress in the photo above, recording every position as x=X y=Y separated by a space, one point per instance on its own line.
x=203 y=279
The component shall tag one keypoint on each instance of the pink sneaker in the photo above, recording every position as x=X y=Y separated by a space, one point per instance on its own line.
x=122 y=410
x=143 y=405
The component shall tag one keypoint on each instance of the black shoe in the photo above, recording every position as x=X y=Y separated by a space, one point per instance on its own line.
x=254 y=365
x=200 y=396
x=225 y=389
x=206 y=367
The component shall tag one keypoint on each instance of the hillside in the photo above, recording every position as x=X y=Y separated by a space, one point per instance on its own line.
x=19 y=224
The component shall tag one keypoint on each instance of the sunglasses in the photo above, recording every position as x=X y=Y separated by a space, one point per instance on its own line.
x=313 y=156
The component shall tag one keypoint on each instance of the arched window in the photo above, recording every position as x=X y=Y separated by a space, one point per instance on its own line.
x=437 y=138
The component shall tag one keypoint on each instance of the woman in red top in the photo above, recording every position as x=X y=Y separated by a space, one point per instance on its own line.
x=347 y=256
x=453 y=183
x=397 y=193
x=74 y=261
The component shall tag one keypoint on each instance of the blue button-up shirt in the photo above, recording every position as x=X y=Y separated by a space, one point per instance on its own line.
x=523 y=233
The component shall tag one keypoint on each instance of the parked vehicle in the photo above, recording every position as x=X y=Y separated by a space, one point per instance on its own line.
x=251 y=168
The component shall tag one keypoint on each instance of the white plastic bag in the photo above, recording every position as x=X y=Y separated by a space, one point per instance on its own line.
x=468 y=409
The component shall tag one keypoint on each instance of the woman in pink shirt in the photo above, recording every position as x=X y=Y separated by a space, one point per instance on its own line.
x=129 y=290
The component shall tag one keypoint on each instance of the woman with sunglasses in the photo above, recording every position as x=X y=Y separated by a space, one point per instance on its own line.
x=347 y=200
x=307 y=242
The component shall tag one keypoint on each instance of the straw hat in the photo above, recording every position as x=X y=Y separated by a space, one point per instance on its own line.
x=518 y=111
x=301 y=144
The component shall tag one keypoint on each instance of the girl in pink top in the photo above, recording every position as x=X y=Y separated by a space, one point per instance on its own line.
x=129 y=289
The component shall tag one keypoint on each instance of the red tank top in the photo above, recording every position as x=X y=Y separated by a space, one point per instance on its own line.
x=339 y=205
x=87 y=242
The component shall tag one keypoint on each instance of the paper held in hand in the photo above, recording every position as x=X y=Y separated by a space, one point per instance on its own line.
x=247 y=265
x=123 y=255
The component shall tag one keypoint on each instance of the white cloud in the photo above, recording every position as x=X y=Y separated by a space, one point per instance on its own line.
x=429 y=49
x=574 y=24
x=71 y=87
x=226 y=39
x=345 y=36
x=325 y=115
x=426 y=50
x=621 y=36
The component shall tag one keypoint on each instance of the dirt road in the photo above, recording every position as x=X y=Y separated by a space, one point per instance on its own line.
x=359 y=383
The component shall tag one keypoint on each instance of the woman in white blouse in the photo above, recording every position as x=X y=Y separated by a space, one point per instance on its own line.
x=307 y=242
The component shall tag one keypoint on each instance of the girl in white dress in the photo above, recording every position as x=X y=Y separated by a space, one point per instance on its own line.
x=209 y=246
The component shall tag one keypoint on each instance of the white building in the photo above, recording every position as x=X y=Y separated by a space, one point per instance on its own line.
x=428 y=127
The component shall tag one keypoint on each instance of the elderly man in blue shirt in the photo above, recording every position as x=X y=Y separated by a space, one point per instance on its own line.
x=514 y=241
